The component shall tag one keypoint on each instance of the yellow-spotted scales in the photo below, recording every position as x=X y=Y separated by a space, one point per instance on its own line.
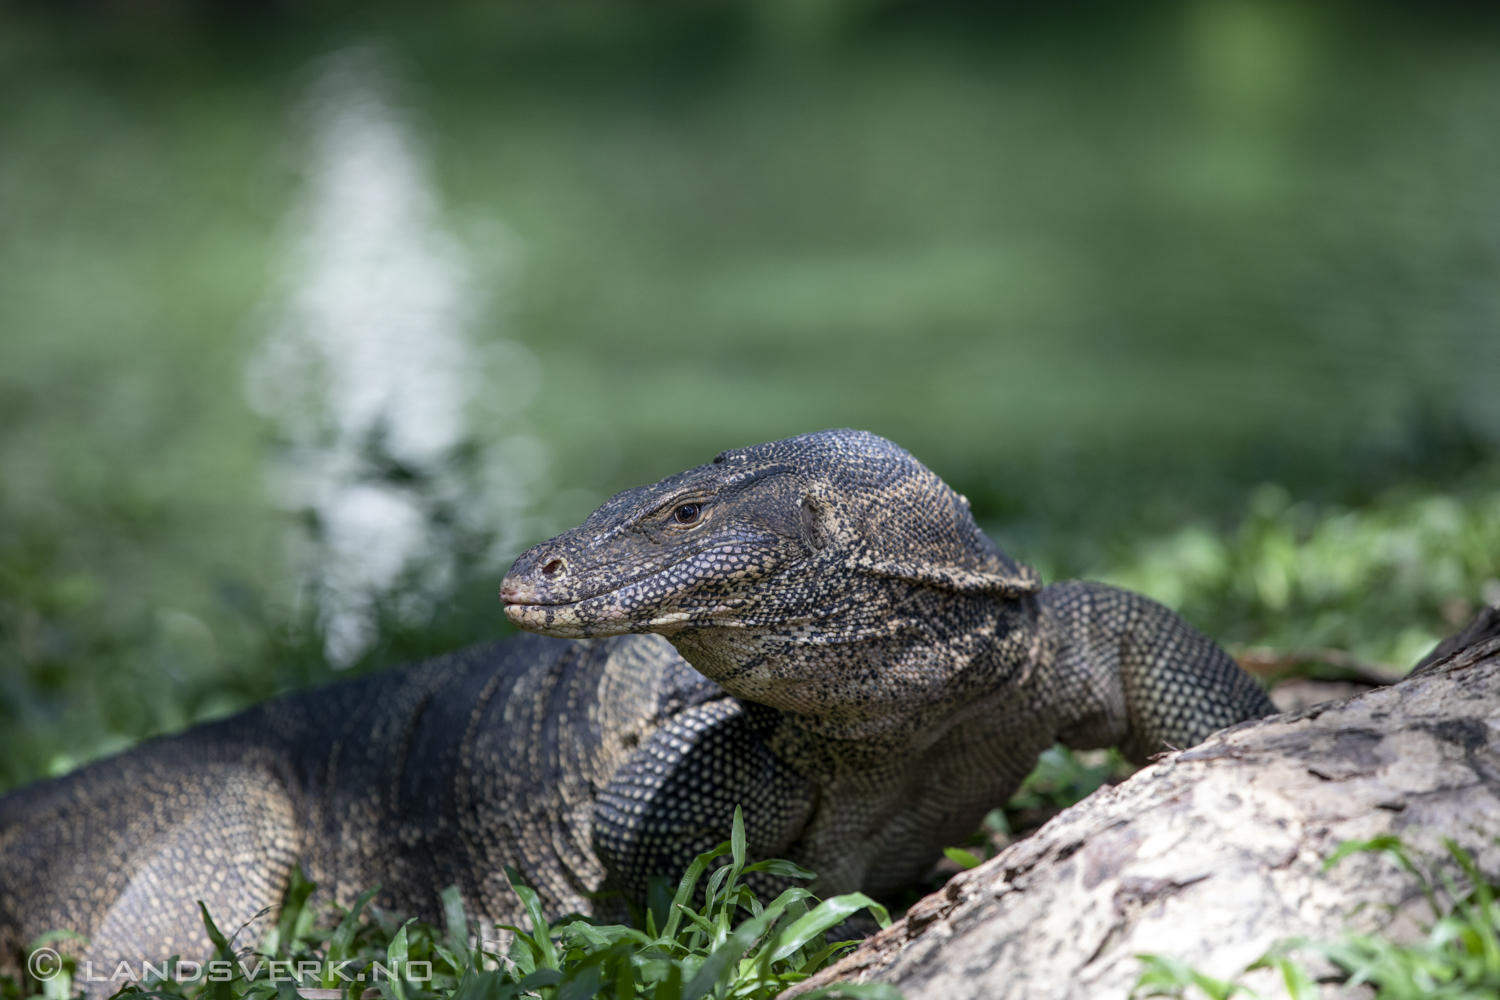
x=815 y=629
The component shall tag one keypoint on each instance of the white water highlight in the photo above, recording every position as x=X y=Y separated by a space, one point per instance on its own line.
x=372 y=375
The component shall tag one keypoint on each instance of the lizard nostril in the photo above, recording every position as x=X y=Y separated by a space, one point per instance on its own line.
x=553 y=567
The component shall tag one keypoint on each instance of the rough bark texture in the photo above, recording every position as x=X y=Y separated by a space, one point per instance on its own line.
x=1215 y=853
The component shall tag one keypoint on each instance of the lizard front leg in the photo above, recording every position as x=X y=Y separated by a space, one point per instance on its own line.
x=674 y=798
x=1139 y=675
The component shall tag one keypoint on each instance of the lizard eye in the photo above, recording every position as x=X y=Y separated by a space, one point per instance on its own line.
x=686 y=513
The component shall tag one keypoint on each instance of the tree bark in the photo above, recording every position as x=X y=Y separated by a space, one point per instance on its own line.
x=1214 y=854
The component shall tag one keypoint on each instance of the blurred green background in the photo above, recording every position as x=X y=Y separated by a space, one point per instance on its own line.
x=1198 y=297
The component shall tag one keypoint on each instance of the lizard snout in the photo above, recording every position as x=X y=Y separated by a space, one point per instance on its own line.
x=515 y=590
x=535 y=577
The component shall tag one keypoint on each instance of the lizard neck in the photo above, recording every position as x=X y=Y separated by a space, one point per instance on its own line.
x=895 y=682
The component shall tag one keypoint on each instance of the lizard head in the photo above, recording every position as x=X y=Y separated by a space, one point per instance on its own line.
x=812 y=541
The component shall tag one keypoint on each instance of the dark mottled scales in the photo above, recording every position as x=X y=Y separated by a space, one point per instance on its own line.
x=830 y=641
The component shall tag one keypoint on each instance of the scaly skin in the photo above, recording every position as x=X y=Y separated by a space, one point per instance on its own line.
x=813 y=628
x=893 y=674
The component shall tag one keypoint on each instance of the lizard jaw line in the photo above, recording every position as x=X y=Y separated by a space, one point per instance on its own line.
x=564 y=621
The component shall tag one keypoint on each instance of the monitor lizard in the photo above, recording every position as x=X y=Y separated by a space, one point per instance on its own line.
x=815 y=629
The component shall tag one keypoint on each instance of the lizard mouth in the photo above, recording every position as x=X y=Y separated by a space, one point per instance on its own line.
x=599 y=617
x=617 y=611
x=595 y=616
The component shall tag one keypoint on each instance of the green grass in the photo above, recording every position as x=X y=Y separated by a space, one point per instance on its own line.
x=1384 y=581
x=733 y=947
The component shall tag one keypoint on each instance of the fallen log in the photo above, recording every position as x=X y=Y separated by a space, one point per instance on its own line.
x=1214 y=854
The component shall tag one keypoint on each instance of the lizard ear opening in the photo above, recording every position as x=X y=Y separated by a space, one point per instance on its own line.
x=813 y=531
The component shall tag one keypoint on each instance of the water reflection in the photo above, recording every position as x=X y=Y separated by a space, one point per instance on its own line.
x=370 y=369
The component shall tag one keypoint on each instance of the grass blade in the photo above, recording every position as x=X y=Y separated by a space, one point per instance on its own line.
x=671 y=987
x=342 y=940
x=214 y=989
x=295 y=901
x=829 y=913
x=784 y=869
x=541 y=930
x=687 y=885
x=720 y=964
x=457 y=922
x=396 y=954
x=736 y=849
